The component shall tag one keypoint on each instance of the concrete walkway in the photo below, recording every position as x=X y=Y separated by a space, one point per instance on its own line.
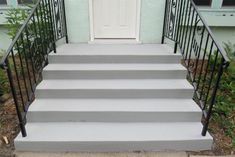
x=153 y=154
x=142 y=154
x=211 y=156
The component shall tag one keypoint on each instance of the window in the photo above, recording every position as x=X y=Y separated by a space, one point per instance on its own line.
x=3 y=2
x=25 y=1
x=203 y=2
x=228 y=2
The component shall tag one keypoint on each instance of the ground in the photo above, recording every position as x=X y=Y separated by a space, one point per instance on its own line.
x=8 y=126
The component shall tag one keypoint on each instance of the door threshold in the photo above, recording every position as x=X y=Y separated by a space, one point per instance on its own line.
x=114 y=41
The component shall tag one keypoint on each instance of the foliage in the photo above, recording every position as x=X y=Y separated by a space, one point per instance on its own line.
x=15 y=17
x=224 y=110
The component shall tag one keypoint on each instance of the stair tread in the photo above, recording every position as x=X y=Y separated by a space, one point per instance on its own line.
x=138 y=67
x=114 y=49
x=116 y=84
x=91 y=132
x=114 y=105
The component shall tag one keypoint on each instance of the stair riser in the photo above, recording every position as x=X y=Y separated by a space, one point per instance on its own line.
x=113 y=116
x=117 y=146
x=114 y=93
x=174 y=74
x=114 y=59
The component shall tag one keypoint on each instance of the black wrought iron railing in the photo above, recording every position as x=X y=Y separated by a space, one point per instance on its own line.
x=202 y=55
x=28 y=53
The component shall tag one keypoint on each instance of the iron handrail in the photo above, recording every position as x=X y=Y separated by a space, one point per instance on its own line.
x=210 y=32
x=28 y=52
x=17 y=36
x=203 y=57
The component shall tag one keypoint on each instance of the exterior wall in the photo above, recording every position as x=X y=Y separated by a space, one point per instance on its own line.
x=77 y=15
x=152 y=14
x=220 y=19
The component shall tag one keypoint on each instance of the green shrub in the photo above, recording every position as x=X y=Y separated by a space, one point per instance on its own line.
x=224 y=110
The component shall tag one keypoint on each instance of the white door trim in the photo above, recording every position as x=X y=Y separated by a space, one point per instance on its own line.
x=91 y=19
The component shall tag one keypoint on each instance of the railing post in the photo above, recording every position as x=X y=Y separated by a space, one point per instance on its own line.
x=175 y=47
x=13 y=91
x=164 y=22
x=65 y=23
x=213 y=98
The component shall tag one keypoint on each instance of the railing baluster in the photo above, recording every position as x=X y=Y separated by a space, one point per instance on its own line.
x=22 y=69
x=181 y=23
x=205 y=75
x=192 y=41
x=175 y=20
x=17 y=79
x=184 y=23
x=213 y=96
x=203 y=61
x=179 y=19
x=43 y=40
x=30 y=54
x=52 y=27
x=199 y=53
x=26 y=62
x=212 y=74
x=190 y=34
x=185 y=41
x=21 y=119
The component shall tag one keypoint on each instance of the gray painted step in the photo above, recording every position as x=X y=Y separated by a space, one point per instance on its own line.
x=114 y=71
x=119 y=88
x=85 y=53
x=141 y=103
x=116 y=137
x=114 y=110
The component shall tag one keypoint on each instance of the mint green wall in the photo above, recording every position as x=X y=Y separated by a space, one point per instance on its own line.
x=221 y=20
x=152 y=15
x=77 y=12
x=152 y=12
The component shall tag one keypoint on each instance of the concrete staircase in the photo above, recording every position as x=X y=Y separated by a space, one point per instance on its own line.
x=102 y=98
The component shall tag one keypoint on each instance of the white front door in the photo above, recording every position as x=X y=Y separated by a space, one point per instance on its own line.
x=115 y=18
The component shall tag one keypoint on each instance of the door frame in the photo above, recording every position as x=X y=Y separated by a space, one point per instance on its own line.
x=91 y=19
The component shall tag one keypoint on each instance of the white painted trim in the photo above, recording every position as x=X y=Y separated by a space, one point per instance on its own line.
x=114 y=41
x=92 y=38
x=91 y=20
x=138 y=20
